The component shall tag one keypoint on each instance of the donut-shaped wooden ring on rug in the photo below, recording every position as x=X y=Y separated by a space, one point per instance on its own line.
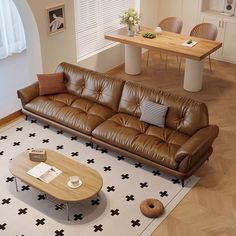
x=151 y=208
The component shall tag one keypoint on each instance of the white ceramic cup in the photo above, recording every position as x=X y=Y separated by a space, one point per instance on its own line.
x=74 y=180
x=158 y=30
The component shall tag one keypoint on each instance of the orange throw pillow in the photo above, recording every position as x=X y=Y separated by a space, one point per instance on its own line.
x=51 y=83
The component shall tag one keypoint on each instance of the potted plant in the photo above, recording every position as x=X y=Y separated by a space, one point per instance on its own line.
x=130 y=18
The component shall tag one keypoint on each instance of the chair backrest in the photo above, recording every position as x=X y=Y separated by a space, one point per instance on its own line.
x=205 y=30
x=171 y=24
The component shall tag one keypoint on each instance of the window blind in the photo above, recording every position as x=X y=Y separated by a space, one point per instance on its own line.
x=93 y=19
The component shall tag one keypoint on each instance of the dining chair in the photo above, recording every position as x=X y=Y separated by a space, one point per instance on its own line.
x=170 y=24
x=207 y=31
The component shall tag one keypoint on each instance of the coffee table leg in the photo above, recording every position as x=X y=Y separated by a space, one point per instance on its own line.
x=17 y=190
x=67 y=211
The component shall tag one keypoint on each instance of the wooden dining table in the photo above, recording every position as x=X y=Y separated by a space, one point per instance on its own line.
x=170 y=43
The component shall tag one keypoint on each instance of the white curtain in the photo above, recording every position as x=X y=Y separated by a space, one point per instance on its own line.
x=12 y=35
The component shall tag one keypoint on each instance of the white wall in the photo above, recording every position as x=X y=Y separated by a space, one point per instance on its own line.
x=14 y=75
x=58 y=47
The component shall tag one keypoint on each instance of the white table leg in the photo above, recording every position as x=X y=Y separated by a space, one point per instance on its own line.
x=132 y=60
x=193 y=75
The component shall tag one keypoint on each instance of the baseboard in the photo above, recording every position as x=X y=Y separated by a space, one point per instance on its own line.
x=10 y=118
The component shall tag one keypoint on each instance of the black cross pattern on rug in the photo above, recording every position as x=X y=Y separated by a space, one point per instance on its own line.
x=156 y=172
x=95 y=202
x=46 y=126
x=98 y=228
x=90 y=144
x=59 y=206
x=40 y=222
x=1 y=153
x=19 y=129
x=114 y=212
x=22 y=211
x=73 y=138
x=135 y=223
x=45 y=140
x=125 y=176
x=107 y=168
x=74 y=154
x=16 y=144
x=3 y=137
x=90 y=161
x=32 y=135
x=3 y=226
x=110 y=189
x=10 y=179
x=120 y=158
x=59 y=232
x=78 y=217
x=129 y=198
x=33 y=121
x=163 y=194
x=143 y=185
x=138 y=165
x=6 y=201
x=41 y=197
x=59 y=131
x=25 y=188
x=175 y=181
x=59 y=147
x=102 y=150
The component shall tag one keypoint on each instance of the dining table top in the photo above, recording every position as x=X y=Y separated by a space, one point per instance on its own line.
x=167 y=42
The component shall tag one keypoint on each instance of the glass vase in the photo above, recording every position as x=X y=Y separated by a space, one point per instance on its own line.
x=131 y=30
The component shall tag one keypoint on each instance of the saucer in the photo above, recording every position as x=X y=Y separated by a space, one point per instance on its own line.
x=74 y=186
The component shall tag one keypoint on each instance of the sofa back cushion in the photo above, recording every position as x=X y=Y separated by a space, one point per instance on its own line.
x=185 y=115
x=92 y=85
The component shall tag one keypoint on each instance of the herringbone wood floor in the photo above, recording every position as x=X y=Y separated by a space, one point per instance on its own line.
x=210 y=208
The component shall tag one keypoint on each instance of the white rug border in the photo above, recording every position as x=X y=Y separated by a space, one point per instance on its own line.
x=171 y=206
x=11 y=124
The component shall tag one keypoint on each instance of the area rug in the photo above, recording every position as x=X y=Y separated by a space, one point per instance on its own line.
x=114 y=212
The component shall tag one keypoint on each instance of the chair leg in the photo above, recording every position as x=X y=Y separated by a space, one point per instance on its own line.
x=210 y=63
x=147 y=58
x=182 y=182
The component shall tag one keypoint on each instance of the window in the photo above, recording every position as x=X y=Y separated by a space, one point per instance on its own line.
x=93 y=19
x=12 y=36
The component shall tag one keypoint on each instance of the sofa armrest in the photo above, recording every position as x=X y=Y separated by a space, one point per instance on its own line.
x=28 y=93
x=197 y=145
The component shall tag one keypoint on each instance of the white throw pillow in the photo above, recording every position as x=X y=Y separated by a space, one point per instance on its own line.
x=153 y=113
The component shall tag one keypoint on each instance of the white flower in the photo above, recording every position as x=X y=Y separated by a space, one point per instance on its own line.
x=131 y=18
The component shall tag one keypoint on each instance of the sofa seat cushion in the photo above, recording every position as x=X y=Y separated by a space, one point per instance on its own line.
x=154 y=143
x=77 y=113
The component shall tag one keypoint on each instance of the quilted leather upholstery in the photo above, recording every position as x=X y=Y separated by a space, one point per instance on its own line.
x=107 y=111
x=184 y=115
x=94 y=86
x=159 y=145
x=77 y=113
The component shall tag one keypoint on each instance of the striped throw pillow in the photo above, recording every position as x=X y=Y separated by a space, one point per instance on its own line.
x=153 y=113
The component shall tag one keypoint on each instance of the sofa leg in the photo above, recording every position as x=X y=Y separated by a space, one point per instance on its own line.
x=26 y=117
x=182 y=181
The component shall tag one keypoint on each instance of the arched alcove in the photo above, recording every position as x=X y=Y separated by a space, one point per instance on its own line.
x=32 y=38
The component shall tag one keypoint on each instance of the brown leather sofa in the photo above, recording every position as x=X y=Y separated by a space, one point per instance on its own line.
x=106 y=111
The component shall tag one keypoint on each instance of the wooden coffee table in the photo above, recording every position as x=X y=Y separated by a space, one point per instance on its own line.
x=91 y=180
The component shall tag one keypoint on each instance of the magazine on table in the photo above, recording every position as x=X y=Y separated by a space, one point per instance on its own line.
x=44 y=172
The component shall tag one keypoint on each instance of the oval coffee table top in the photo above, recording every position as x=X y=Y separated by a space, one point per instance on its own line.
x=91 y=180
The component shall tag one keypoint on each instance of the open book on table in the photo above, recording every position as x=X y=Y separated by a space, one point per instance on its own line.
x=44 y=172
